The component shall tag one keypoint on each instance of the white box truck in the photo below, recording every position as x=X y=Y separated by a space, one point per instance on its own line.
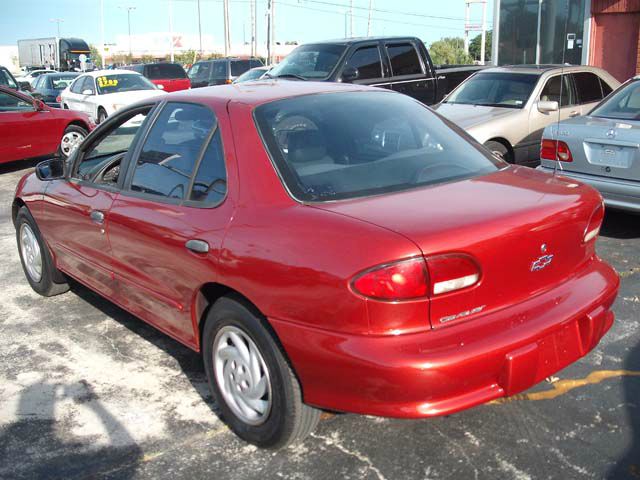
x=63 y=54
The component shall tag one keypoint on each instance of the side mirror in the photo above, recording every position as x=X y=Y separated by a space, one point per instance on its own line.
x=87 y=92
x=39 y=105
x=50 y=169
x=545 y=106
x=25 y=86
x=349 y=74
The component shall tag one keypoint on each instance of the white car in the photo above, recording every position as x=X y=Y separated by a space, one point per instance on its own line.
x=33 y=75
x=100 y=94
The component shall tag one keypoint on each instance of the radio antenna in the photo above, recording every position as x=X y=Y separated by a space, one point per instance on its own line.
x=564 y=49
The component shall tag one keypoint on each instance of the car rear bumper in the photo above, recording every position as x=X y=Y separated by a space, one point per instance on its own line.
x=439 y=372
x=617 y=193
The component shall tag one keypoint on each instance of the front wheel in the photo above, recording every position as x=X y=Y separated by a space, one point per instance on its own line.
x=258 y=393
x=72 y=137
x=102 y=115
x=499 y=150
x=36 y=261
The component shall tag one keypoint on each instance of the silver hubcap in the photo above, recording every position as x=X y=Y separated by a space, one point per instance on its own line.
x=31 y=255
x=70 y=142
x=242 y=375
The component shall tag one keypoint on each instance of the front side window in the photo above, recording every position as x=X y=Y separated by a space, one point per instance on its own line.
x=345 y=145
x=6 y=80
x=200 y=71
x=11 y=103
x=558 y=89
x=219 y=70
x=238 y=67
x=588 y=87
x=77 y=85
x=172 y=149
x=404 y=59
x=367 y=61
x=88 y=86
x=122 y=82
x=623 y=105
x=310 y=61
x=508 y=90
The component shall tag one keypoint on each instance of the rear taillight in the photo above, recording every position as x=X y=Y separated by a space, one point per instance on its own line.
x=403 y=280
x=58 y=99
x=451 y=272
x=555 y=150
x=595 y=222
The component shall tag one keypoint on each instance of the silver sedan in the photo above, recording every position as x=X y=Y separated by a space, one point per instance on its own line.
x=602 y=148
x=506 y=108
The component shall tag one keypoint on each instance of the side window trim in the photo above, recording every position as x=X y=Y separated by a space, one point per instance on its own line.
x=132 y=159
x=571 y=98
x=392 y=75
x=578 y=99
x=353 y=51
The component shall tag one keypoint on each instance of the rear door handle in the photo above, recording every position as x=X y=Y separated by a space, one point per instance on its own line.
x=574 y=114
x=197 y=246
x=97 y=217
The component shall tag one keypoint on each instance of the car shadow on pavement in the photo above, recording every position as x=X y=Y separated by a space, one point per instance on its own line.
x=19 y=165
x=628 y=466
x=71 y=456
x=189 y=361
x=621 y=225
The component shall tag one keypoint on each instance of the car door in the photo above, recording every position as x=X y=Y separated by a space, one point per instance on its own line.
x=589 y=90
x=73 y=97
x=408 y=72
x=75 y=209
x=87 y=100
x=557 y=88
x=364 y=67
x=166 y=227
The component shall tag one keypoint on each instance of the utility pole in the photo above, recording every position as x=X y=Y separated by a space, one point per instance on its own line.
x=253 y=6
x=199 y=30
x=102 y=50
x=468 y=27
x=227 y=37
x=369 y=19
x=128 y=9
x=171 y=30
x=57 y=21
x=269 y=29
x=351 y=18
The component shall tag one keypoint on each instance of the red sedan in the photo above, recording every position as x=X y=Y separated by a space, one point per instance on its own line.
x=29 y=128
x=324 y=246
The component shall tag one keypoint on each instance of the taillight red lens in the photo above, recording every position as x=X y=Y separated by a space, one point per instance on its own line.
x=452 y=272
x=59 y=99
x=595 y=222
x=397 y=281
x=555 y=150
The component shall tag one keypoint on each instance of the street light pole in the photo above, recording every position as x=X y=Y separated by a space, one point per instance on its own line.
x=369 y=19
x=129 y=25
x=57 y=21
x=199 y=29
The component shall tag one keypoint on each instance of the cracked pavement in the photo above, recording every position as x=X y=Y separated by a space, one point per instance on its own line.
x=88 y=391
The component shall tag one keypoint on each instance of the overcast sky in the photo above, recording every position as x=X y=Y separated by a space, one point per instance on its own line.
x=302 y=20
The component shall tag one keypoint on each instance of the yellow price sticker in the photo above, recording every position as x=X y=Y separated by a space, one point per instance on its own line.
x=107 y=82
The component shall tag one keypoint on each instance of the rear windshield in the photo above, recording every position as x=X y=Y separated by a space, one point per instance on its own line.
x=122 y=83
x=165 y=71
x=310 y=61
x=344 y=145
x=60 y=82
x=622 y=105
x=509 y=90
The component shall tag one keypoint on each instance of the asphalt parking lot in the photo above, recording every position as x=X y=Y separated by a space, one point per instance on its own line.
x=88 y=391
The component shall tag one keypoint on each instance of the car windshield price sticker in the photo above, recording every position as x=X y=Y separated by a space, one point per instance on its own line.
x=107 y=82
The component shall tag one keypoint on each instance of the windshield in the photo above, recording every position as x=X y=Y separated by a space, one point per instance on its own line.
x=310 y=61
x=6 y=80
x=253 y=74
x=345 y=145
x=509 y=90
x=122 y=82
x=622 y=105
x=61 y=82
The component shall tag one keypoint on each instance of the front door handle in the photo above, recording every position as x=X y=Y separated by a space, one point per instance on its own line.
x=97 y=217
x=197 y=246
x=574 y=114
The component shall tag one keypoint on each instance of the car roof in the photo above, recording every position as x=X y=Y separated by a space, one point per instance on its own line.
x=263 y=91
x=61 y=74
x=354 y=40
x=539 y=69
x=100 y=73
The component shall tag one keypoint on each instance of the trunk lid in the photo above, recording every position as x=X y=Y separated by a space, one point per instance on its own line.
x=508 y=221
x=601 y=146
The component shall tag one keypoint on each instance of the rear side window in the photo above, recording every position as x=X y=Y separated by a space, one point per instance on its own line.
x=588 y=87
x=210 y=183
x=172 y=148
x=404 y=59
x=200 y=71
x=77 y=85
x=238 y=67
x=367 y=61
x=606 y=89
x=219 y=70
x=165 y=71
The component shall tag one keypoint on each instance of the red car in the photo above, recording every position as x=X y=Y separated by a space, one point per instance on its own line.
x=29 y=128
x=324 y=246
x=169 y=77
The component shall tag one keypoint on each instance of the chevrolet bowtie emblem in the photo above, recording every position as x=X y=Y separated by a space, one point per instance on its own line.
x=541 y=262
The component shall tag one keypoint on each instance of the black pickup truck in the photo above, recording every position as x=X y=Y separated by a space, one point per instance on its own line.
x=399 y=63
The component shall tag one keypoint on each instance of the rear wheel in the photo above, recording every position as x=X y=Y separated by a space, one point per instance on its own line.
x=71 y=139
x=36 y=261
x=499 y=150
x=102 y=115
x=258 y=393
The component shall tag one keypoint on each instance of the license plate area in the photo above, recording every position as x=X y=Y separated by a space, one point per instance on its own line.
x=604 y=155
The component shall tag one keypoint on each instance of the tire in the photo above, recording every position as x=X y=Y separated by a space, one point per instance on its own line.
x=102 y=115
x=286 y=419
x=50 y=280
x=499 y=150
x=71 y=138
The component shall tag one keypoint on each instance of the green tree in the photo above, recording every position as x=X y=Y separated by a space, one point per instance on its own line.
x=96 y=58
x=474 y=46
x=449 y=51
x=147 y=59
